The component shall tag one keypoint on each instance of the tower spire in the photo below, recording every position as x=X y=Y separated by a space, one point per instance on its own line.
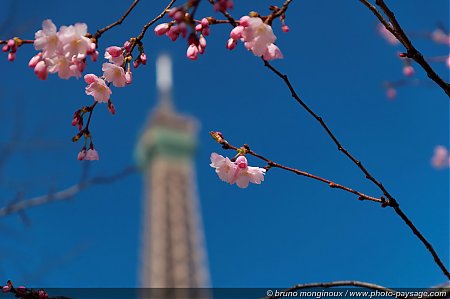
x=164 y=81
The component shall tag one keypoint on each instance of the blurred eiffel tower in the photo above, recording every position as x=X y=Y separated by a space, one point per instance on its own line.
x=173 y=254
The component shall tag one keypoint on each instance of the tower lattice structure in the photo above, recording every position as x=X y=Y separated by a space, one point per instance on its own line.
x=173 y=253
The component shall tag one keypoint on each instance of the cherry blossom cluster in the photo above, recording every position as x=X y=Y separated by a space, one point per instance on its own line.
x=257 y=36
x=441 y=157
x=11 y=48
x=181 y=21
x=63 y=51
x=116 y=72
x=237 y=172
x=23 y=292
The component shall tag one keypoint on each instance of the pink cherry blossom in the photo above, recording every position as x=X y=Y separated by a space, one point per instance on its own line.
x=257 y=36
x=97 y=88
x=47 y=39
x=73 y=40
x=82 y=154
x=441 y=157
x=439 y=36
x=63 y=66
x=238 y=172
x=114 y=74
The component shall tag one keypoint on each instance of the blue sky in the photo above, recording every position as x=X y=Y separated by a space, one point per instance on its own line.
x=287 y=230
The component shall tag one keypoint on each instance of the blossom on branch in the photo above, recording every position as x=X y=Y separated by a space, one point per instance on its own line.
x=114 y=74
x=441 y=158
x=236 y=172
x=63 y=52
x=97 y=88
x=257 y=36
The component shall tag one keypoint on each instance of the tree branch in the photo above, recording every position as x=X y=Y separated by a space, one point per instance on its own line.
x=395 y=28
x=361 y=196
x=344 y=283
x=64 y=194
x=118 y=22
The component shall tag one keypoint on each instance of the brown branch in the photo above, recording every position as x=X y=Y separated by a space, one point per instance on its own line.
x=65 y=193
x=22 y=41
x=361 y=196
x=390 y=199
x=138 y=39
x=118 y=22
x=394 y=27
x=348 y=283
x=226 y=14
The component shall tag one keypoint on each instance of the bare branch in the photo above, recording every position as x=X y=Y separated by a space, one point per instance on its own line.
x=394 y=27
x=344 y=283
x=361 y=196
x=65 y=193
x=118 y=22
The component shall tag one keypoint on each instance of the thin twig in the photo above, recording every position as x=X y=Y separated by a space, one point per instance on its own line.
x=118 y=22
x=391 y=201
x=345 y=283
x=361 y=196
x=394 y=27
x=65 y=193
x=146 y=26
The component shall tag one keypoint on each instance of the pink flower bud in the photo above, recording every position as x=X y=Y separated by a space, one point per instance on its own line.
x=179 y=16
x=114 y=51
x=6 y=289
x=173 y=33
x=41 y=70
x=127 y=46
x=143 y=58
x=285 y=28
x=244 y=21
x=11 y=43
x=94 y=56
x=192 y=52
x=171 y=12
x=11 y=56
x=128 y=77
x=202 y=41
x=205 y=22
x=91 y=154
x=236 y=33
x=206 y=31
x=35 y=60
x=182 y=29
x=161 y=29
x=201 y=50
x=111 y=108
x=136 y=63
x=5 y=48
x=231 y=44
x=82 y=154
x=408 y=70
x=198 y=27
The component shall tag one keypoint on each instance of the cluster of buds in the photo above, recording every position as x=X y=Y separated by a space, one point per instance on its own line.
x=176 y=27
x=90 y=154
x=24 y=293
x=223 y=5
x=11 y=46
